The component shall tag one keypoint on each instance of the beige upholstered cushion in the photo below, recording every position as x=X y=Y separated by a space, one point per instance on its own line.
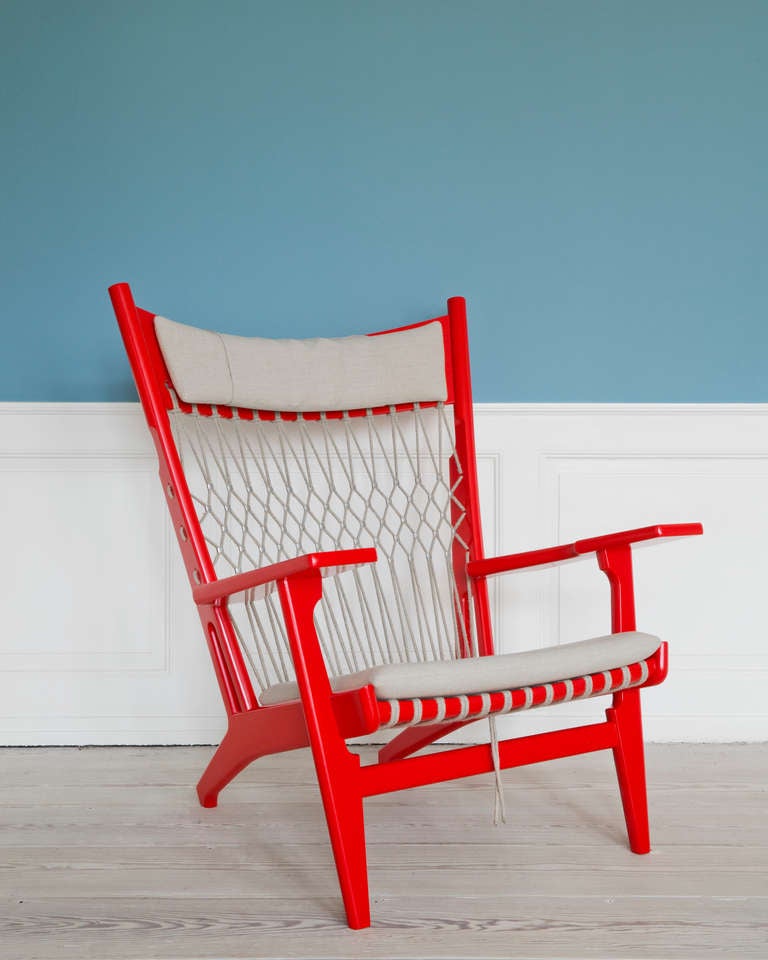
x=402 y=681
x=293 y=375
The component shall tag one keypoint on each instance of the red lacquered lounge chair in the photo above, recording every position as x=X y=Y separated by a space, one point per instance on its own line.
x=324 y=496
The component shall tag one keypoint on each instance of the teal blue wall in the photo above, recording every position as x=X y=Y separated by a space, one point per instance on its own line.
x=590 y=174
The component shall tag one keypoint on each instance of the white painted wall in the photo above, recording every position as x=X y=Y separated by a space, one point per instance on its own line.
x=100 y=642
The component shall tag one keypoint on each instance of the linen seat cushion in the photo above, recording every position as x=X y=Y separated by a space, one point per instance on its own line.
x=442 y=678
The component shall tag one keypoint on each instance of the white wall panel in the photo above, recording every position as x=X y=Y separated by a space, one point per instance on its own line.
x=575 y=471
x=100 y=642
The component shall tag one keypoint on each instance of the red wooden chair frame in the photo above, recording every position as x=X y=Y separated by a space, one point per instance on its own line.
x=324 y=720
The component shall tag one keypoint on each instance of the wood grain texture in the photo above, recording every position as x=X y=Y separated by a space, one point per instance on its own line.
x=104 y=853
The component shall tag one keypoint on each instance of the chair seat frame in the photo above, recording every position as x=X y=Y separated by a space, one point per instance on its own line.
x=323 y=720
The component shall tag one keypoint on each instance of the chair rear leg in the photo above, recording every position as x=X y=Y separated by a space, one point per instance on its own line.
x=228 y=760
x=250 y=735
x=629 y=757
x=413 y=739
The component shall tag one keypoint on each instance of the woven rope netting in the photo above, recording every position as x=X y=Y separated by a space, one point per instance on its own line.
x=267 y=490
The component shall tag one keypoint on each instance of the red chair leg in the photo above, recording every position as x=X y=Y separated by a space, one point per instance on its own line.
x=338 y=770
x=223 y=766
x=413 y=739
x=250 y=735
x=343 y=805
x=629 y=756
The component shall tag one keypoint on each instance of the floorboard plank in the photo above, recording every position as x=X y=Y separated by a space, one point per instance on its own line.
x=406 y=927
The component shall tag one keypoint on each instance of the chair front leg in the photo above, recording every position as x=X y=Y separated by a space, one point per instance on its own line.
x=625 y=713
x=338 y=770
x=629 y=757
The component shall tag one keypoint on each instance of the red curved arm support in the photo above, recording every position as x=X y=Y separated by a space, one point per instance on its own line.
x=570 y=551
x=253 y=584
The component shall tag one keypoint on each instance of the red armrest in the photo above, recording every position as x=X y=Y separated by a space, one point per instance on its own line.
x=569 y=551
x=329 y=563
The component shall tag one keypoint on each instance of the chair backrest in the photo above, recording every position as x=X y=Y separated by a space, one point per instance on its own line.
x=270 y=449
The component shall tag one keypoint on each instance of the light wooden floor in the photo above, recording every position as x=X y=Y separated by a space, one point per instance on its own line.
x=104 y=853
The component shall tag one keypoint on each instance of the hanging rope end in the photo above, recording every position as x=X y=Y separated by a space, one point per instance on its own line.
x=499 y=810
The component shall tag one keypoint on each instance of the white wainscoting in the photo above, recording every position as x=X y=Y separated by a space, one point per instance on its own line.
x=100 y=643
